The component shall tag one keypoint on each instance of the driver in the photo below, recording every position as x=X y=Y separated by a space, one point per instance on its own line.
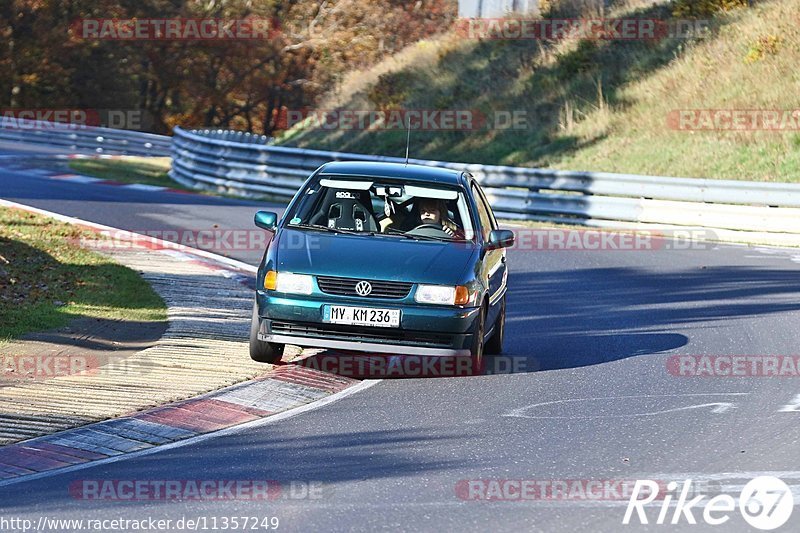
x=432 y=211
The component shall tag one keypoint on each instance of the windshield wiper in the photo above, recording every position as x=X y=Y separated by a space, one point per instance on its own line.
x=330 y=230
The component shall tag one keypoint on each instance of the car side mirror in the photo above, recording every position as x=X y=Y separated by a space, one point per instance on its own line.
x=500 y=238
x=266 y=220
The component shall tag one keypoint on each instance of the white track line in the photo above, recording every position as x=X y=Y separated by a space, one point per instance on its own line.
x=143 y=187
x=134 y=236
x=77 y=179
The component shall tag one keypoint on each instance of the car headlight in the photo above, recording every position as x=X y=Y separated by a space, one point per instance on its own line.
x=442 y=295
x=294 y=283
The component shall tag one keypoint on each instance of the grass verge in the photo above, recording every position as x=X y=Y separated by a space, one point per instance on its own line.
x=602 y=105
x=145 y=170
x=47 y=279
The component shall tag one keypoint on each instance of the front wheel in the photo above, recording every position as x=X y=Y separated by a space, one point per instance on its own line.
x=476 y=352
x=262 y=351
x=494 y=346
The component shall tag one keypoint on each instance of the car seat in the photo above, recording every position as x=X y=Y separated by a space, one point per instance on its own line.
x=346 y=210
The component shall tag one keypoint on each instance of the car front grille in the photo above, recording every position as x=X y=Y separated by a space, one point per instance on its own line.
x=355 y=333
x=395 y=290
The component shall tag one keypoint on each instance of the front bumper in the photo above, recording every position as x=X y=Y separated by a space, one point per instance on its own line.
x=424 y=330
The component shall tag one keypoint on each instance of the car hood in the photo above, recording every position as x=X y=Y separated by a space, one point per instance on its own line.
x=387 y=258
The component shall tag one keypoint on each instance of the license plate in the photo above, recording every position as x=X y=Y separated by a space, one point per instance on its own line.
x=362 y=316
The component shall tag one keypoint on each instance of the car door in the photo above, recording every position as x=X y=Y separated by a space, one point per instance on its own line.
x=494 y=267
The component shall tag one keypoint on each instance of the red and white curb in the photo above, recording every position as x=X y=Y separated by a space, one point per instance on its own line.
x=287 y=391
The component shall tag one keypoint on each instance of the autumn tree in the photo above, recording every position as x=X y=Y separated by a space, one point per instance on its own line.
x=47 y=62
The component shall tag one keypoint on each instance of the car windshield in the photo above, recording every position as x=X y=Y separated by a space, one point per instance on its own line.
x=381 y=206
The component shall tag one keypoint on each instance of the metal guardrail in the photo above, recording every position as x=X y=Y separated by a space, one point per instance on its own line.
x=85 y=139
x=246 y=165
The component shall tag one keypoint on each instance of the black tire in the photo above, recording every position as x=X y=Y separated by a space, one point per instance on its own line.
x=476 y=352
x=494 y=346
x=262 y=351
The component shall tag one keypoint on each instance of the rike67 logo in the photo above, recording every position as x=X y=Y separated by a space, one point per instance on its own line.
x=766 y=503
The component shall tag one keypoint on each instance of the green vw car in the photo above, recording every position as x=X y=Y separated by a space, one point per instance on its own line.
x=383 y=258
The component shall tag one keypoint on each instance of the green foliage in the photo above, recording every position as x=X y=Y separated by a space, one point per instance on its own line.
x=391 y=90
x=578 y=61
x=705 y=8
x=762 y=47
x=145 y=170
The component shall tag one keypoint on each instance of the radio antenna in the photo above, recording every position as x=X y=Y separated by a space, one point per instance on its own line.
x=408 y=137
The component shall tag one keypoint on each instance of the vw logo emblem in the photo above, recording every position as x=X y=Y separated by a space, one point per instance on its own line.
x=363 y=288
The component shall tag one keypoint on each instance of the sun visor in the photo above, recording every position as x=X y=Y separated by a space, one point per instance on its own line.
x=346 y=184
x=425 y=192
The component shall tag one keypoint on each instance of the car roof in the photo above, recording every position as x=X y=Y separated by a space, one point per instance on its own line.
x=411 y=173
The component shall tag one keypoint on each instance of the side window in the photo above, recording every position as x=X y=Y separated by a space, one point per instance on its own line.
x=484 y=213
x=495 y=225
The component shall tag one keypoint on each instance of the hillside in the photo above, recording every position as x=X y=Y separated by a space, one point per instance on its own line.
x=605 y=105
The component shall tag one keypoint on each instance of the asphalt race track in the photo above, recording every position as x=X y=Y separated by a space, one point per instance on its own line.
x=589 y=335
